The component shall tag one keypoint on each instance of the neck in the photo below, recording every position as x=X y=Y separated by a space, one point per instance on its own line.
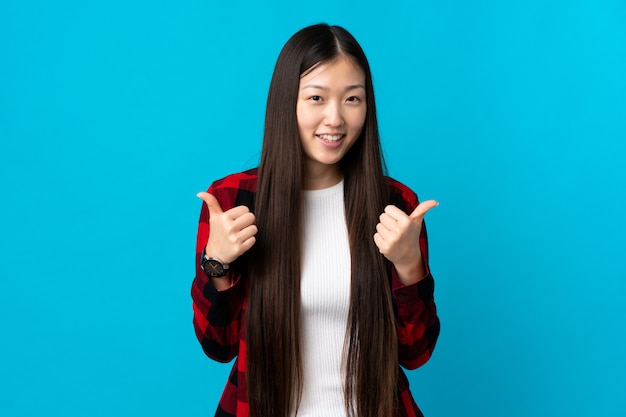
x=318 y=179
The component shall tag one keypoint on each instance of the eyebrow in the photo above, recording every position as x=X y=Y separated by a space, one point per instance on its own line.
x=321 y=87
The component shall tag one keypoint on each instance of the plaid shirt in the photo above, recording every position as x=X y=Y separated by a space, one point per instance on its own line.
x=219 y=316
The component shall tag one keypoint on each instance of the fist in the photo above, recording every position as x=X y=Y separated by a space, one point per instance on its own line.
x=397 y=234
x=232 y=231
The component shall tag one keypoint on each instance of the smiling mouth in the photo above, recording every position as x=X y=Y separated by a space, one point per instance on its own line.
x=330 y=138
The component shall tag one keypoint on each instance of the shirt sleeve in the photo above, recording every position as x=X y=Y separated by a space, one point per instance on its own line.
x=217 y=315
x=418 y=323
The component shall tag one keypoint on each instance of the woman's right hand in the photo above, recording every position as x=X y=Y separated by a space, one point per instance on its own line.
x=232 y=232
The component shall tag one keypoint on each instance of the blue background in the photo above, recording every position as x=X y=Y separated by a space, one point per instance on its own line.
x=114 y=114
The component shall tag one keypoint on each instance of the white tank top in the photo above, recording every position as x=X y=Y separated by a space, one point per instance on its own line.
x=325 y=291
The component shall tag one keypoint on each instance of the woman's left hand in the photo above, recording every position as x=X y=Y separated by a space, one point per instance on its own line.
x=397 y=237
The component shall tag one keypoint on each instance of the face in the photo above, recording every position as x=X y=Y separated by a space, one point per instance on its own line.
x=331 y=112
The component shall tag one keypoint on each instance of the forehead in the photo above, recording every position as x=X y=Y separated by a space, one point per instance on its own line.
x=343 y=69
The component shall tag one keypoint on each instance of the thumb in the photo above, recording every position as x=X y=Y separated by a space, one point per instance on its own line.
x=422 y=208
x=211 y=202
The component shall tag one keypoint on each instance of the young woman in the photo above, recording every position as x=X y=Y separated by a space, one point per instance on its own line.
x=312 y=269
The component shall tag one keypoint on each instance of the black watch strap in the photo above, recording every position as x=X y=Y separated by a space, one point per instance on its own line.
x=213 y=267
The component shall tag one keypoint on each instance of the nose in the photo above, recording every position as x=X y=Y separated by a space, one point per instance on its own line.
x=333 y=115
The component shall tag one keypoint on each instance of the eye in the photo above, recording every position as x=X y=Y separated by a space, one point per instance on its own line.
x=315 y=98
x=353 y=99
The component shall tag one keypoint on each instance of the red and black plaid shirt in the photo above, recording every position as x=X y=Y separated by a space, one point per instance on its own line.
x=219 y=316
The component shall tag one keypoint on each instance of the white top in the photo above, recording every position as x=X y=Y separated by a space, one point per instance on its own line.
x=325 y=290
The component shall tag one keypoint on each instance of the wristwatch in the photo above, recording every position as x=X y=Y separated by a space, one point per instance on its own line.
x=213 y=267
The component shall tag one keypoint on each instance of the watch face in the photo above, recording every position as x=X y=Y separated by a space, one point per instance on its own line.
x=213 y=268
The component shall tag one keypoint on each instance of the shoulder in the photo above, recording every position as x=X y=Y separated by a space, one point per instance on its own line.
x=235 y=189
x=400 y=195
x=246 y=180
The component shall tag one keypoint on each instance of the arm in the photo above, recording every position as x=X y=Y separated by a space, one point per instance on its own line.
x=217 y=315
x=403 y=240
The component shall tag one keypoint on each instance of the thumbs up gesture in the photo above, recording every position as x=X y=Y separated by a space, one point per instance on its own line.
x=397 y=236
x=232 y=231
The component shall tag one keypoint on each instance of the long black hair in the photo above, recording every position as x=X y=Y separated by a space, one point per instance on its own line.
x=273 y=334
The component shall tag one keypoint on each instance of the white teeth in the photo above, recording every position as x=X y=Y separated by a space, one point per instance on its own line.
x=330 y=138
